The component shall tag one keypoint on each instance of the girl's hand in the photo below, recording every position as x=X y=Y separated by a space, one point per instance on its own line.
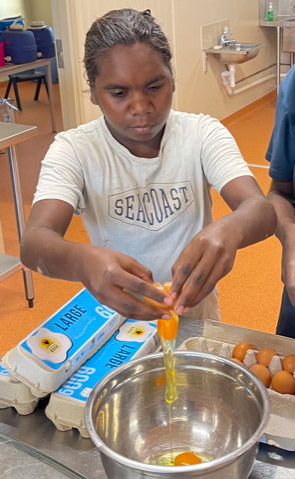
x=114 y=278
x=207 y=258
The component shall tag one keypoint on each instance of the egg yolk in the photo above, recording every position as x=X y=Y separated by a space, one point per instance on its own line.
x=167 y=328
x=165 y=288
x=186 y=459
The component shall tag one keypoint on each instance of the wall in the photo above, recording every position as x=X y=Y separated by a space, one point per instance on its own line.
x=182 y=21
x=29 y=9
x=13 y=8
x=41 y=10
x=199 y=91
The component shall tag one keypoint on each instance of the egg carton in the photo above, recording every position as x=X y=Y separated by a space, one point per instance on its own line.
x=49 y=355
x=220 y=339
x=15 y=394
x=67 y=405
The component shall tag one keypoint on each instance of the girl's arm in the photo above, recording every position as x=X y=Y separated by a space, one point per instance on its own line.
x=210 y=254
x=110 y=276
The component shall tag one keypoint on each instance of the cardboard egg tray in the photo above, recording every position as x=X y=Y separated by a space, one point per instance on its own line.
x=66 y=406
x=220 y=339
x=15 y=394
x=50 y=354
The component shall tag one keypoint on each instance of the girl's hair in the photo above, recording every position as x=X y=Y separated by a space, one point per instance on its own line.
x=122 y=27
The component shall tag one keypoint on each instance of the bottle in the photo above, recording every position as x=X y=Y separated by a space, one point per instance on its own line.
x=270 y=12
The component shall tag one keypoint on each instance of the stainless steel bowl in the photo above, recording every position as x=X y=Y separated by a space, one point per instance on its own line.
x=221 y=412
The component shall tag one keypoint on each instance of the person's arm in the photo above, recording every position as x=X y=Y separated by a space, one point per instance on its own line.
x=281 y=195
x=210 y=254
x=107 y=274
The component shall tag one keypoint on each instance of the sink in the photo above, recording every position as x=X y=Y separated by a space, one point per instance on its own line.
x=236 y=52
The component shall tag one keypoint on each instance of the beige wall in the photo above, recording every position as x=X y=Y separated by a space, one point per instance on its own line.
x=182 y=21
x=199 y=91
x=41 y=10
x=29 y=9
x=13 y=8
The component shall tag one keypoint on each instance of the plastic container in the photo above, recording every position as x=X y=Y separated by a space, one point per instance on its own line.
x=15 y=394
x=6 y=22
x=66 y=406
x=48 y=356
x=20 y=45
x=2 y=56
x=269 y=15
x=44 y=38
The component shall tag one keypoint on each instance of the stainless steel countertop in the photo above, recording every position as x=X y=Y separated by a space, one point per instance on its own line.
x=32 y=448
x=14 y=133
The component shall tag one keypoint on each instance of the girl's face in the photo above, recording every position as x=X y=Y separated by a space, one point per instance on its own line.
x=134 y=91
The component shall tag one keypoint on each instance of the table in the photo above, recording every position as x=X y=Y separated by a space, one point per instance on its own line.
x=70 y=455
x=11 y=69
x=10 y=135
x=278 y=24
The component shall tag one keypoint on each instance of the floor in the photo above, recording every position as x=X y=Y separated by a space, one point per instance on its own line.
x=249 y=295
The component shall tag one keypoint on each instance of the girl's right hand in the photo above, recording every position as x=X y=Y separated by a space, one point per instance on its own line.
x=115 y=278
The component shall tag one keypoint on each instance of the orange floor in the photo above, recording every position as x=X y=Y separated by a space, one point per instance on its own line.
x=249 y=295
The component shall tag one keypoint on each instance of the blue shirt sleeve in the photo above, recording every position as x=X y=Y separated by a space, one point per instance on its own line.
x=281 y=149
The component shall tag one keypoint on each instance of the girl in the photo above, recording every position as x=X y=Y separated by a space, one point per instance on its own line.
x=141 y=175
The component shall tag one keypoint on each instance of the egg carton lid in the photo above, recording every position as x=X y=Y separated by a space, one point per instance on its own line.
x=15 y=394
x=49 y=355
x=220 y=338
x=133 y=339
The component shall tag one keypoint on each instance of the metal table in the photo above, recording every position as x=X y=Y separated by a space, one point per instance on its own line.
x=278 y=24
x=10 y=135
x=31 y=447
x=12 y=68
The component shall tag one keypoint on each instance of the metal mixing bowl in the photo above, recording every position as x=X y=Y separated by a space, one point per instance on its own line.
x=221 y=412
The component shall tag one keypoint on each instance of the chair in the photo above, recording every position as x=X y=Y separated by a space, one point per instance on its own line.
x=26 y=76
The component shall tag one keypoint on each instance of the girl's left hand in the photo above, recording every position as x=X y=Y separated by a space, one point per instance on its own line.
x=207 y=258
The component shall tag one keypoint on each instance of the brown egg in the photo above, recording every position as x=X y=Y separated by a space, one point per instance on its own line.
x=288 y=363
x=264 y=356
x=236 y=360
x=239 y=351
x=262 y=373
x=283 y=382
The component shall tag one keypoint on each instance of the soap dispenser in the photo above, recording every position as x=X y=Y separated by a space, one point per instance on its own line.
x=270 y=12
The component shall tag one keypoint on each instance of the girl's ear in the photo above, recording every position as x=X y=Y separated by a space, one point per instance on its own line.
x=93 y=97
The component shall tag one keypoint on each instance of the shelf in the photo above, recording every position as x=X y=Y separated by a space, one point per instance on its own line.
x=9 y=265
x=277 y=21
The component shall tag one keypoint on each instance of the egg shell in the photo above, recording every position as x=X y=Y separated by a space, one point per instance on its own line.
x=240 y=350
x=265 y=355
x=262 y=373
x=283 y=382
x=288 y=363
x=236 y=360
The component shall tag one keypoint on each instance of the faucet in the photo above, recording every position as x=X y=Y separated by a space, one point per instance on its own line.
x=223 y=40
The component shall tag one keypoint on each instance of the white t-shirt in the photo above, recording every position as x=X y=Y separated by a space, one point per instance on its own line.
x=148 y=208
